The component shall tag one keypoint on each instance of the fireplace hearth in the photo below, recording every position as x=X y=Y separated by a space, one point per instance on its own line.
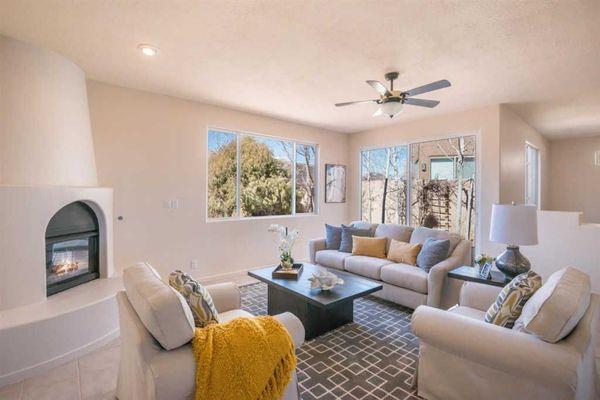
x=72 y=242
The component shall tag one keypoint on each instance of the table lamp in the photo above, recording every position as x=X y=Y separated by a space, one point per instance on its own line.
x=513 y=225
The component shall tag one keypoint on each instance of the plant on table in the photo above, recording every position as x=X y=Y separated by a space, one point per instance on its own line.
x=287 y=239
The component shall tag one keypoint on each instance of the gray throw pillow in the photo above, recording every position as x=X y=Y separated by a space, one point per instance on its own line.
x=333 y=237
x=433 y=251
x=348 y=232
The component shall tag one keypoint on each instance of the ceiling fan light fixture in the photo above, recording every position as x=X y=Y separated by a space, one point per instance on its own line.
x=391 y=108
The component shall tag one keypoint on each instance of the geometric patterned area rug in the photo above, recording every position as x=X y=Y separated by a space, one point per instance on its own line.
x=372 y=358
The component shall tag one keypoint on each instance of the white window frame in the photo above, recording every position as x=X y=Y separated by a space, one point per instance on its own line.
x=238 y=216
x=538 y=191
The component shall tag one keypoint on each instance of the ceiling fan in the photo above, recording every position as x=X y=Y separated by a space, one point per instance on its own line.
x=392 y=101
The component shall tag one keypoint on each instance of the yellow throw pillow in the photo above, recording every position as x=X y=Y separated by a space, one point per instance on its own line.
x=402 y=252
x=367 y=246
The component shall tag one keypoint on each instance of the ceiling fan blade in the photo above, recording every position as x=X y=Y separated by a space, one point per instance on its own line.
x=378 y=112
x=427 y=88
x=380 y=87
x=422 y=102
x=355 y=102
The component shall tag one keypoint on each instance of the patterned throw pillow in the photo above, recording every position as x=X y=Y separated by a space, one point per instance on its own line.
x=197 y=297
x=509 y=304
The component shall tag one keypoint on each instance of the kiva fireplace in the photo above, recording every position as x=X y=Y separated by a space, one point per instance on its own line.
x=72 y=243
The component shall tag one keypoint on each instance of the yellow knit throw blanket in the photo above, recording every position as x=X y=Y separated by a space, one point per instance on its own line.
x=245 y=358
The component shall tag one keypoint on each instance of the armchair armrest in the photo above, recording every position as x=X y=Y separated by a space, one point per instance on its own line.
x=225 y=296
x=478 y=295
x=294 y=327
x=512 y=352
x=315 y=245
x=437 y=274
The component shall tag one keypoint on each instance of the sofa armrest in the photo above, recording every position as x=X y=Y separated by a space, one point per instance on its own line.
x=225 y=296
x=512 y=352
x=294 y=327
x=438 y=273
x=315 y=245
x=478 y=295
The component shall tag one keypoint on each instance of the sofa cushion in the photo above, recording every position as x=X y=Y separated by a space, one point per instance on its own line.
x=367 y=246
x=369 y=267
x=331 y=258
x=397 y=232
x=402 y=252
x=348 y=232
x=433 y=252
x=405 y=276
x=162 y=310
x=421 y=234
x=510 y=301
x=333 y=237
x=556 y=308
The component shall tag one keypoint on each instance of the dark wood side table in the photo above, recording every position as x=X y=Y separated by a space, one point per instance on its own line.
x=467 y=273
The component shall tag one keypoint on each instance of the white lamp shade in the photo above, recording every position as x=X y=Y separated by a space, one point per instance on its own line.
x=514 y=224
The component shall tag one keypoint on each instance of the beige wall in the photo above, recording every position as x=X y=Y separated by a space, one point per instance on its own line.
x=151 y=148
x=483 y=122
x=575 y=183
x=514 y=133
x=45 y=136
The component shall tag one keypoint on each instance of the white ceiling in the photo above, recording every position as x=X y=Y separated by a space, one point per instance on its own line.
x=294 y=59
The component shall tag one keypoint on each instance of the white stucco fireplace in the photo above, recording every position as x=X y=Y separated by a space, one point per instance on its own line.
x=46 y=163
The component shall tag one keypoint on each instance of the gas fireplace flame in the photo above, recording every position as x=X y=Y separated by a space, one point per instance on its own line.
x=63 y=263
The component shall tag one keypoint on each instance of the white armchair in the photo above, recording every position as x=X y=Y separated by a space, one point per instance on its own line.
x=463 y=357
x=147 y=371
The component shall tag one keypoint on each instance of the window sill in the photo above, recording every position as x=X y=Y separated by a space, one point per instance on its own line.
x=242 y=219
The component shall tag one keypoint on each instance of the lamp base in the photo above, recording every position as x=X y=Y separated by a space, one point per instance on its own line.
x=512 y=262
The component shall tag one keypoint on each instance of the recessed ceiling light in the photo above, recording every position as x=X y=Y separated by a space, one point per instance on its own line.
x=148 y=50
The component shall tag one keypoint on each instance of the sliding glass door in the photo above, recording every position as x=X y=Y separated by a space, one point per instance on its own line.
x=428 y=183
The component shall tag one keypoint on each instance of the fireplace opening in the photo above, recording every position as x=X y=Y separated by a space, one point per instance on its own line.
x=72 y=242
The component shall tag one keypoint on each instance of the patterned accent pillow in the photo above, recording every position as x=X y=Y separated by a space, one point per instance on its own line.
x=197 y=297
x=509 y=304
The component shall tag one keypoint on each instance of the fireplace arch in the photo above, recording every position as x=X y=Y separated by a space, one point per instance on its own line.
x=72 y=247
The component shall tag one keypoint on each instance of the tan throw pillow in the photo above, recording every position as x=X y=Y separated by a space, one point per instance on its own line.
x=402 y=252
x=509 y=304
x=367 y=246
x=554 y=310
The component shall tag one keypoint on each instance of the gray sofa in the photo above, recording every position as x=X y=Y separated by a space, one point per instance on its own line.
x=403 y=284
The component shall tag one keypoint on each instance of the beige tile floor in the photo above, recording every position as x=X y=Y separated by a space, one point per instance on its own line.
x=91 y=377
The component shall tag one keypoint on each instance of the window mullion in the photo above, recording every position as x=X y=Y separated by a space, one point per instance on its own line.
x=293 y=178
x=238 y=173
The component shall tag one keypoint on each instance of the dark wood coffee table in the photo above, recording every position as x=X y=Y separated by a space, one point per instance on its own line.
x=319 y=311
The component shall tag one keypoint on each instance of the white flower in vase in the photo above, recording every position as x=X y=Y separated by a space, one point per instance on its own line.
x=287 y=239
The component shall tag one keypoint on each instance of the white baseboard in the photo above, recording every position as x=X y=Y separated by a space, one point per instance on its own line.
x=233 y=274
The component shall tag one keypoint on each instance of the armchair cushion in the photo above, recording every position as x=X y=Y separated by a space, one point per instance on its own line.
x=556 y=308
x=162 y=310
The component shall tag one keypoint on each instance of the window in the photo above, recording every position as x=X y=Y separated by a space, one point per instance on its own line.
x=258 y=176
x=383 y=184
x=532 y=175
x=424 y=184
